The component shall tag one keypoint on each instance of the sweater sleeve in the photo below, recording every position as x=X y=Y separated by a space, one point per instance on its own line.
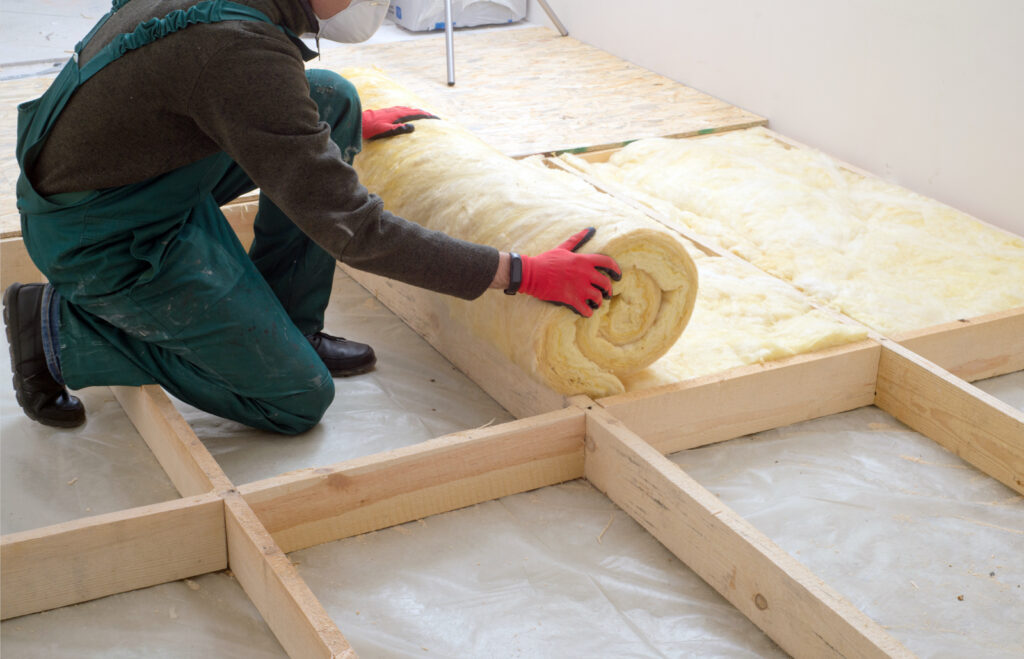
x=253 y=100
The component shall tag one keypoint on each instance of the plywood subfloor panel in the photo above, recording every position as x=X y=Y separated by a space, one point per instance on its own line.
x=530 y=90
x=524 y=91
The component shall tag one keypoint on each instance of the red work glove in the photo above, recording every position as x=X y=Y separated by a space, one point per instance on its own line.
x=577 y=281
x=391 y=121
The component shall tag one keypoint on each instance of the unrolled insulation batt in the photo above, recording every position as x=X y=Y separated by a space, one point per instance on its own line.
x=890 y=258
x=444 y=178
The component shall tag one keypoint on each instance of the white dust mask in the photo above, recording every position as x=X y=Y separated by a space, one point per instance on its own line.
x=356 y=23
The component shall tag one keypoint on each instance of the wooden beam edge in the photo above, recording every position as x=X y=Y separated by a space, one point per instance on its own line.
x=786 y=600
x=981 y=429
x=972 y=348
x=751 y=399
x=113 y=553
x=313 y=506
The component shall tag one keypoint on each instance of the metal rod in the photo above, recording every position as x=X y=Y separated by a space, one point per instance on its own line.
x=554 y=19
x=449 y=41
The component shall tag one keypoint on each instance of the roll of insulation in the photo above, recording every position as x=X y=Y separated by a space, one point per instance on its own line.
x=444 y=178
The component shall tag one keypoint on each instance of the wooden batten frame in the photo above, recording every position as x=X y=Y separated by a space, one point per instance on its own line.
x=107 y=554
x=777 y=593
x=250 y=529
x=313 y=506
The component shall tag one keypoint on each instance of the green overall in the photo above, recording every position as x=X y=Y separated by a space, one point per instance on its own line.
x=153 y=286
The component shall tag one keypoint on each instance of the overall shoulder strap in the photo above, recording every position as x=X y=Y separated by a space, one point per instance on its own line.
x=117 y=4
x=207 y=11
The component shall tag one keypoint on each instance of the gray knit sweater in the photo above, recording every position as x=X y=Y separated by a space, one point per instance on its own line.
x=240 y=87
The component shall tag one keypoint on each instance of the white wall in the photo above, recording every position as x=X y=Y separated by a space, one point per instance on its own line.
x=926 y=93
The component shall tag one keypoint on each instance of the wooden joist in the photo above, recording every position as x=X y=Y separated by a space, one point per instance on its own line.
x=979 y=428
x=106 y=554
x=778 y=594
x=750 y=399
x=313 y=506
x=972 y=348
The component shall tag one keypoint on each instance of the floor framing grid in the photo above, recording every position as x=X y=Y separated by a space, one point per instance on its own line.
x=617 y=443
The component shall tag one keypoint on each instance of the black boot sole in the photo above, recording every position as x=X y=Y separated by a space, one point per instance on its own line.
x=358 y=370
x=11 y=319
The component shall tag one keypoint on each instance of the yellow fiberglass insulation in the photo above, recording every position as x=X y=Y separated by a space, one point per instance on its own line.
x=888 y=257
x=444 y=178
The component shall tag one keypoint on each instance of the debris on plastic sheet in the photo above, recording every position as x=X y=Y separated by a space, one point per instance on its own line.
x=611 y=518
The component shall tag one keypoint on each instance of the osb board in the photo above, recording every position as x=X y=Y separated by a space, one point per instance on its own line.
x=527 y=91
x=522 y=90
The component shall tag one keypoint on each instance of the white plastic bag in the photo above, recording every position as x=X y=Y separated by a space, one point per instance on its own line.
x=424 y=15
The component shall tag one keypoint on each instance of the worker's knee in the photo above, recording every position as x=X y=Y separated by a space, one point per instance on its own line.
x=336 y=98
x=338 y=102
x=302 y=411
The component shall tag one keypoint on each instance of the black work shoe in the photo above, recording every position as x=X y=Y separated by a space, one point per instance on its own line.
x=341 y=356
x=44 y=399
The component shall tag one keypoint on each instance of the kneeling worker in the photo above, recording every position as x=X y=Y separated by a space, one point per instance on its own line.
x=168 y=110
